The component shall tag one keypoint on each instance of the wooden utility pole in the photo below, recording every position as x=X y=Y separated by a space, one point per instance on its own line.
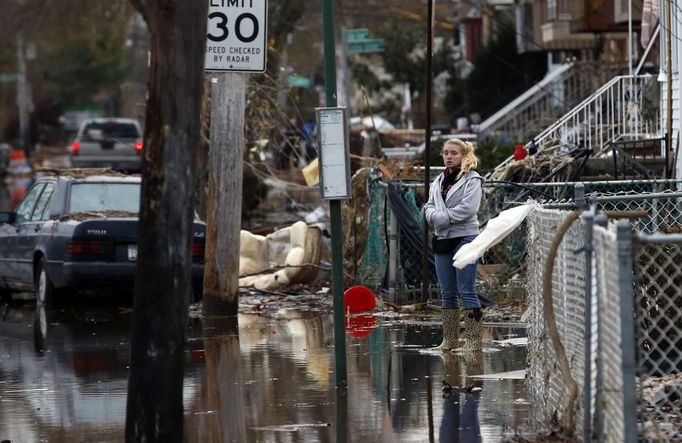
x=225 y=172
x=162 y=286
x=23 y=98
x=225 y=157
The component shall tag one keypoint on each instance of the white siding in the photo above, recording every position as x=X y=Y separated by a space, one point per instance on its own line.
x=676 y=17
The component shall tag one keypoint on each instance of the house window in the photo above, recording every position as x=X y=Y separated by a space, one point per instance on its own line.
x=551 y=10
x=564 y=10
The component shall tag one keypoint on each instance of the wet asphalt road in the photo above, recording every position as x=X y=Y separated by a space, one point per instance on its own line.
x=63 y=378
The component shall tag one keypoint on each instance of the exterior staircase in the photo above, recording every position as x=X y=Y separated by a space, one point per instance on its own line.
x=544 y=103
x=613 y=134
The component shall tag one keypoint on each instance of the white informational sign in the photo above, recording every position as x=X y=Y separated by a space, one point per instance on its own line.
x=236 y=35
x=333 y=152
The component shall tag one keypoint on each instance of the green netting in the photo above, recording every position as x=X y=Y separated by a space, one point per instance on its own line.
x=414 y=205
x=375 y=257
x=409 y=276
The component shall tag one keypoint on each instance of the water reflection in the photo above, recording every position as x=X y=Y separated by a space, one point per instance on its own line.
x=461 y=424
x=341 y=415
x=360 y=325
x=265 y=380
x=225 y=388
x=64 y=372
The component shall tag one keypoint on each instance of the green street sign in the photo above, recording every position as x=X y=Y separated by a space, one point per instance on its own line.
x=353 y=35
x=366 y=46
x=6 y=78
x=297 y=81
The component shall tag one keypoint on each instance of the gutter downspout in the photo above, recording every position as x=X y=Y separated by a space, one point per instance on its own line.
x=669 y=116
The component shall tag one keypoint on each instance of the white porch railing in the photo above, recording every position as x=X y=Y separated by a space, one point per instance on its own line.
x=543 y=103
x=626 y=107
x=527 y=100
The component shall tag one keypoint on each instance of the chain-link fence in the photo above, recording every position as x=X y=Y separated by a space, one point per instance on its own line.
x=611 y=368
x=613 y=388
x=548 y=390
x=658 y=332
x=606 y=358
x=393 y=261
x=658 y=198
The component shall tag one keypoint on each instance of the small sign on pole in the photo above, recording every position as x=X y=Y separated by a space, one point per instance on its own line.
x=237 y=35
x=357 y=41
x=366 y=46
x=333 y=152
x=353 y=35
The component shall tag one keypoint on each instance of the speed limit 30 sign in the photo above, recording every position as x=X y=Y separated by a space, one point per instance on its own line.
x=237 y=35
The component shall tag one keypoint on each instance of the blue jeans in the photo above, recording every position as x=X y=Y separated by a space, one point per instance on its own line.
x=456 y=283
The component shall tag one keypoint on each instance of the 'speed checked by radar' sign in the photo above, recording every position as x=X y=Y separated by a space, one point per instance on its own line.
x=236 y=35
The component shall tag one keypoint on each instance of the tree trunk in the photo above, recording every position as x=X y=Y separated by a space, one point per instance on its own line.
x=225 y=172
x=162 y=287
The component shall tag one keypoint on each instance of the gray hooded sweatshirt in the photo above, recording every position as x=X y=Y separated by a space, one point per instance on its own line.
x=457 y=215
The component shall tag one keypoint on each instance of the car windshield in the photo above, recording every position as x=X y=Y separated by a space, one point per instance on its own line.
x=112 y=130
x=104 y=197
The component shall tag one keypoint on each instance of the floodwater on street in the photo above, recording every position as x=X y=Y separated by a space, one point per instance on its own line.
x=63 y=378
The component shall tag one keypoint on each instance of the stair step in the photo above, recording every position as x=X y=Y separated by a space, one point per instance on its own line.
x=602 y=168
x=650 y=147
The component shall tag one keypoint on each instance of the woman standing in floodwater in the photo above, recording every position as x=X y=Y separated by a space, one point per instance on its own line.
x=451 y=210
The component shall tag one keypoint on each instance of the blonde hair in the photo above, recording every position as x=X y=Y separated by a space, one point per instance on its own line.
x=469 y=159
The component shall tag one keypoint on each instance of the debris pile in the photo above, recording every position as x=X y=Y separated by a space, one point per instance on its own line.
x=287 y=256
x=553 y=161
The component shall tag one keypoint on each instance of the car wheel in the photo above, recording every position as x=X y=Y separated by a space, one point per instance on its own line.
x=44 y=291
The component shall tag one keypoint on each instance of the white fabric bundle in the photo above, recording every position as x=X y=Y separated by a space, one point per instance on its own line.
x=496 y=230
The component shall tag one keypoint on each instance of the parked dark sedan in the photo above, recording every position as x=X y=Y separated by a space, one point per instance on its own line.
x=78 y=229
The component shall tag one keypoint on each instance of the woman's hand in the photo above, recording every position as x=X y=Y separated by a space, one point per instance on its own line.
x=440 y=219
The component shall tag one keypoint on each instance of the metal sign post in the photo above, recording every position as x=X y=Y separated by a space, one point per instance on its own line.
x=427 y=144
x=335 y=205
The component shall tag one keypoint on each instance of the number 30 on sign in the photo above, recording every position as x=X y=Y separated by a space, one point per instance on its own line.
x=236 y=39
